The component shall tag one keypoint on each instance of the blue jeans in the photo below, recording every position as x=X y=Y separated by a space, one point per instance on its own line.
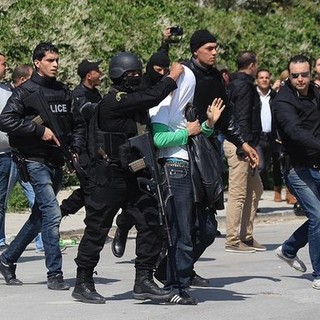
x=5 y=163
x=304 y=183
x=28 y=191
x=26 y=186
x=11 y=177
x=180 y=213
x=46 y=182
x=204 y=230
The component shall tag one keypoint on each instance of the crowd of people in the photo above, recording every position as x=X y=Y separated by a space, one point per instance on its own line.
x=154 y=145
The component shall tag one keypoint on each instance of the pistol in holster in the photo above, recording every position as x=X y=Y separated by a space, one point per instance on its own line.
x=21 y=164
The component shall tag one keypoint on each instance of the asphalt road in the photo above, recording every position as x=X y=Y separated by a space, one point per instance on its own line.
x=243 y=286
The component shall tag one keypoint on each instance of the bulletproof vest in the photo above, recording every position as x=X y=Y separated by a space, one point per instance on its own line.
x=103 y=145
x=59 y=104
x=109 y=133
x=209 y=85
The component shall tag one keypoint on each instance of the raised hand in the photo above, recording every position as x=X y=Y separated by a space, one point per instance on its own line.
x=214 y=111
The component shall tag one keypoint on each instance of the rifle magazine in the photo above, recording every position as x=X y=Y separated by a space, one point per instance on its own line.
x=137 y=165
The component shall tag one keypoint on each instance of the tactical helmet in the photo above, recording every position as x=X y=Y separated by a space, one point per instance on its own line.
x=123 y=62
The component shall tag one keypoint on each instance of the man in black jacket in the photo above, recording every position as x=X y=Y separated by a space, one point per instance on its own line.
x=296 y=109
x=112 y=186
x=86 y=91
x=38 y=145
x=245 y=187
x=209 y=85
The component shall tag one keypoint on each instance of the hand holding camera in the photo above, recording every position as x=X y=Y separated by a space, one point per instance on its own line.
x=172 y=34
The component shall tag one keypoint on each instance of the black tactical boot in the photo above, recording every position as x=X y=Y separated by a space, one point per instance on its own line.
x=8 y=270
x=119 y=242
x=145 y=288
x=85 y=290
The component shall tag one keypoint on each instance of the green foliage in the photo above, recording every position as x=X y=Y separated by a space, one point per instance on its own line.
x=97 y=29
x=18 y=202
x=69 y=179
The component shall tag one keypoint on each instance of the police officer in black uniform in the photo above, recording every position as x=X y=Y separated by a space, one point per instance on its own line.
x=41 y=158
x=157 y=67
x=112 y=186
x=86 y=91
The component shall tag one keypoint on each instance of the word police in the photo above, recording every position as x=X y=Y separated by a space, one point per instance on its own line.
x=59 y=108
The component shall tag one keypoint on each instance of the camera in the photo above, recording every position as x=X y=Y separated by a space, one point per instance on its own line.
x=176 y=33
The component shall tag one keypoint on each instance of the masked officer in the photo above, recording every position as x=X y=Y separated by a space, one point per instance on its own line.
x=112 y=186
x=157 y=67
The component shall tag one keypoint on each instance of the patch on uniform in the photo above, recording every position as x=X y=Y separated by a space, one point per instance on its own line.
x=119 y=94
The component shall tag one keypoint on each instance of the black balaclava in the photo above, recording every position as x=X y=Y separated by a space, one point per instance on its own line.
x=157 y=59
x=127 y=83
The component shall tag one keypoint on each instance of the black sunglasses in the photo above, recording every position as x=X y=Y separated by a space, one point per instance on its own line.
x=302 y=74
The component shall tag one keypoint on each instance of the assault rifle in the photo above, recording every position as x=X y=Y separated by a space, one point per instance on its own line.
x=37 y=101
x=158 y=185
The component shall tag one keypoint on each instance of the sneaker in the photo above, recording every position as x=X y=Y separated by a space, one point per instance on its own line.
x=294 y=263
x=183 y=298
x=57 y=283
x=8 y=270
x=239 y=247
x=255 y=245
x=316 y=284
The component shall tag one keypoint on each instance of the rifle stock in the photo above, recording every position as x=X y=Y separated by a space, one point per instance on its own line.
x=158 y=185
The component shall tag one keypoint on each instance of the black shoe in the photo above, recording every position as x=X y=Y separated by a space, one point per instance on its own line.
x=8 y=270
x=298 y=211
x=183 y=298
x=119 y=242
x=85 y=290
x=218 y=234
x=198 y=281
x=57 y=283
x=145 y=288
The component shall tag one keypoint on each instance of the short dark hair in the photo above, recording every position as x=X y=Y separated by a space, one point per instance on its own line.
x=1 y=54
x=245 y=59
x=263 y=70
x=299 y=58
x=42 y=48
x=20 y=71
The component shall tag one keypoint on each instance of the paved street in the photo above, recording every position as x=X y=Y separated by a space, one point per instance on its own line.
x=243 y=286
